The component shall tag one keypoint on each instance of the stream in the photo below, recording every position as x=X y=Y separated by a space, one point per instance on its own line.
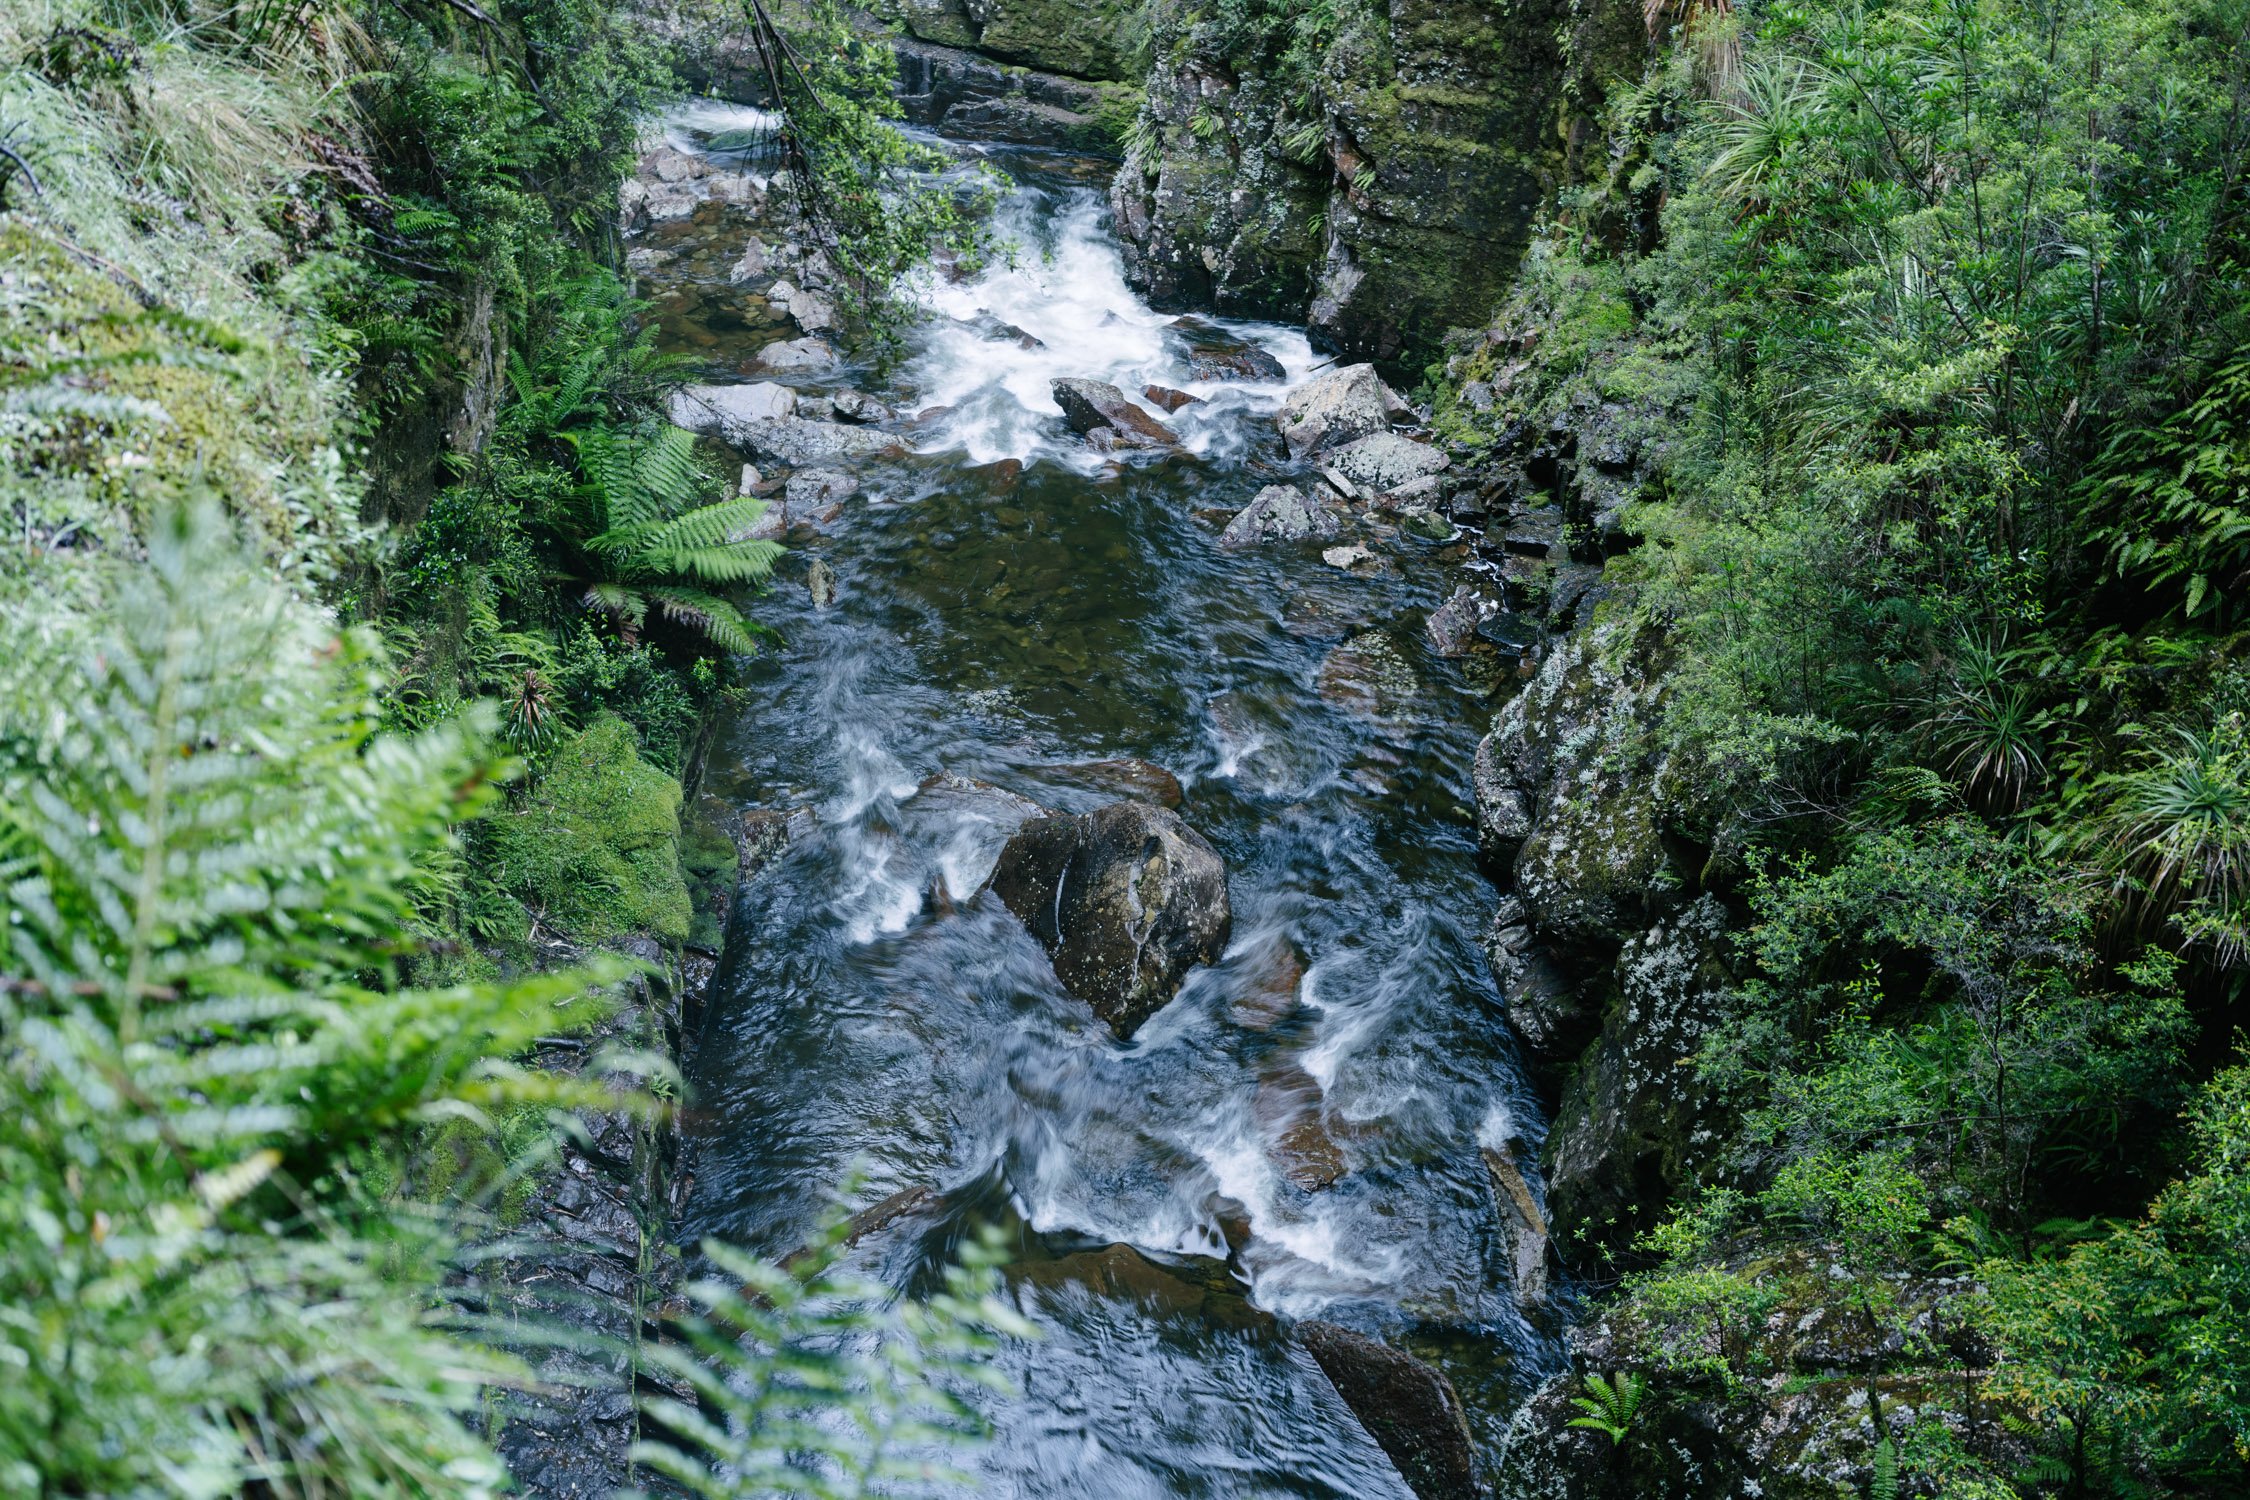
x=1299 y=1133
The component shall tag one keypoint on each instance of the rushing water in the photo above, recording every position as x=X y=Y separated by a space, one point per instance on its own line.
x=1011 y=606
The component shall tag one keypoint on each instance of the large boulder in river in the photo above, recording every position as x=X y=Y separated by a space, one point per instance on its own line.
x=1281 y=513
x=1126 y=899
x=1336 y=408
x=1409 y=1409
x=1094 y=406
x=1386 y=460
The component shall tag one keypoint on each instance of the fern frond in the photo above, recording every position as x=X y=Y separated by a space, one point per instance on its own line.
x=708 y=614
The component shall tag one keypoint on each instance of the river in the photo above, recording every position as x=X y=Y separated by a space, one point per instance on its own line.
x=1299 y=1133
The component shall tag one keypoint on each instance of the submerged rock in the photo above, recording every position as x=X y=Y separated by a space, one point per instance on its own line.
x=1126 y=776
x=1336 y=408
x=1126 y=899
x=1215 y=354
x=1280 y=513
x=1093 y=406
x=1370 y=676
x=1409 y=1409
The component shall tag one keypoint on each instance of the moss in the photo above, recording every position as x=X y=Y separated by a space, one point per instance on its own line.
x=596 y=848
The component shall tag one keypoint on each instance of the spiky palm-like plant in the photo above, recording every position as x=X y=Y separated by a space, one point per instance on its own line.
x=2178 y=831
x=650 y=543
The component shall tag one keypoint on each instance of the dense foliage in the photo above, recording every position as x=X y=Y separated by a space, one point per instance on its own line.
x=1935 y=333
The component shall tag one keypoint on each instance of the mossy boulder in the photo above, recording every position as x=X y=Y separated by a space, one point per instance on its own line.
x=595 y=848
x=1089 y=39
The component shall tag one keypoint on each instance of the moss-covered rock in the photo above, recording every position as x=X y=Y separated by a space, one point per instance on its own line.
x=1092 y=39
x=595 y=849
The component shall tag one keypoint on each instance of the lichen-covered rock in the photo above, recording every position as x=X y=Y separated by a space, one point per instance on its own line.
x=1554 y=1016
x=1126 y=899
x=974 y=97
x=1574 y=790
x=1386 y=460
x=1081 y=38
x=1409 y=1409
x=1092 y=407
x=720 y=409
x=1634 y=1127
x=1281 y=513
x=1333 y=409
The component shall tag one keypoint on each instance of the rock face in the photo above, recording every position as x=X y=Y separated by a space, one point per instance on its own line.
x=1432 y=145
x=1281 y=513
x=1632 y=1115
x=1094 y=407
x=1126 y=899
x=1408 y=1408
x=1335 y=409
x=1082 y=38
x=975 y=95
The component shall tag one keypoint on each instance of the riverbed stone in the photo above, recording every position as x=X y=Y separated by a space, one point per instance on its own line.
x=1452 y=626
x=795 y=441
x=1167 y=398
x=1409 y=1408
x=857 y=406
x=805 y=356
x=1333 y=410
x=1126 y=899
x=1386 y=460
x=1122 y=775
x=1281 y=513
x=1093 y=406
x=716 y=409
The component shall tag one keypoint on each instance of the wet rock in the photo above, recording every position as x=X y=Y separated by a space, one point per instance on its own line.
x=1370 y=676
x=1126 y=899
x=803 y=356
x=1452 y=626
x=1166 y=397
x=858 y=406
x=1336 y=408
x=1287 y=1108
x=751 y=480
x=1385 y=460
x=1124 y=776
x=1524 y=1224
x=721 y=410
x=1280 y=513
x=1427 y=524
x=1092 y=406
x=820 y=581
x=994 y=330
x=1354 y=559
x=811 y=312
x=1409 y=1409
x=1215 y=354
x=1425 y=493
x=813 y=489
x=1554 y=1016
x=798 y=442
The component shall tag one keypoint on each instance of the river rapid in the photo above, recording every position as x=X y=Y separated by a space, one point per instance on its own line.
x=1299 y=1134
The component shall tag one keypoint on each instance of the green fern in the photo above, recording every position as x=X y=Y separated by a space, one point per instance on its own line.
x=1611 y=1405
x=653 y=543
x=1882 y=1481
x=209 y=857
